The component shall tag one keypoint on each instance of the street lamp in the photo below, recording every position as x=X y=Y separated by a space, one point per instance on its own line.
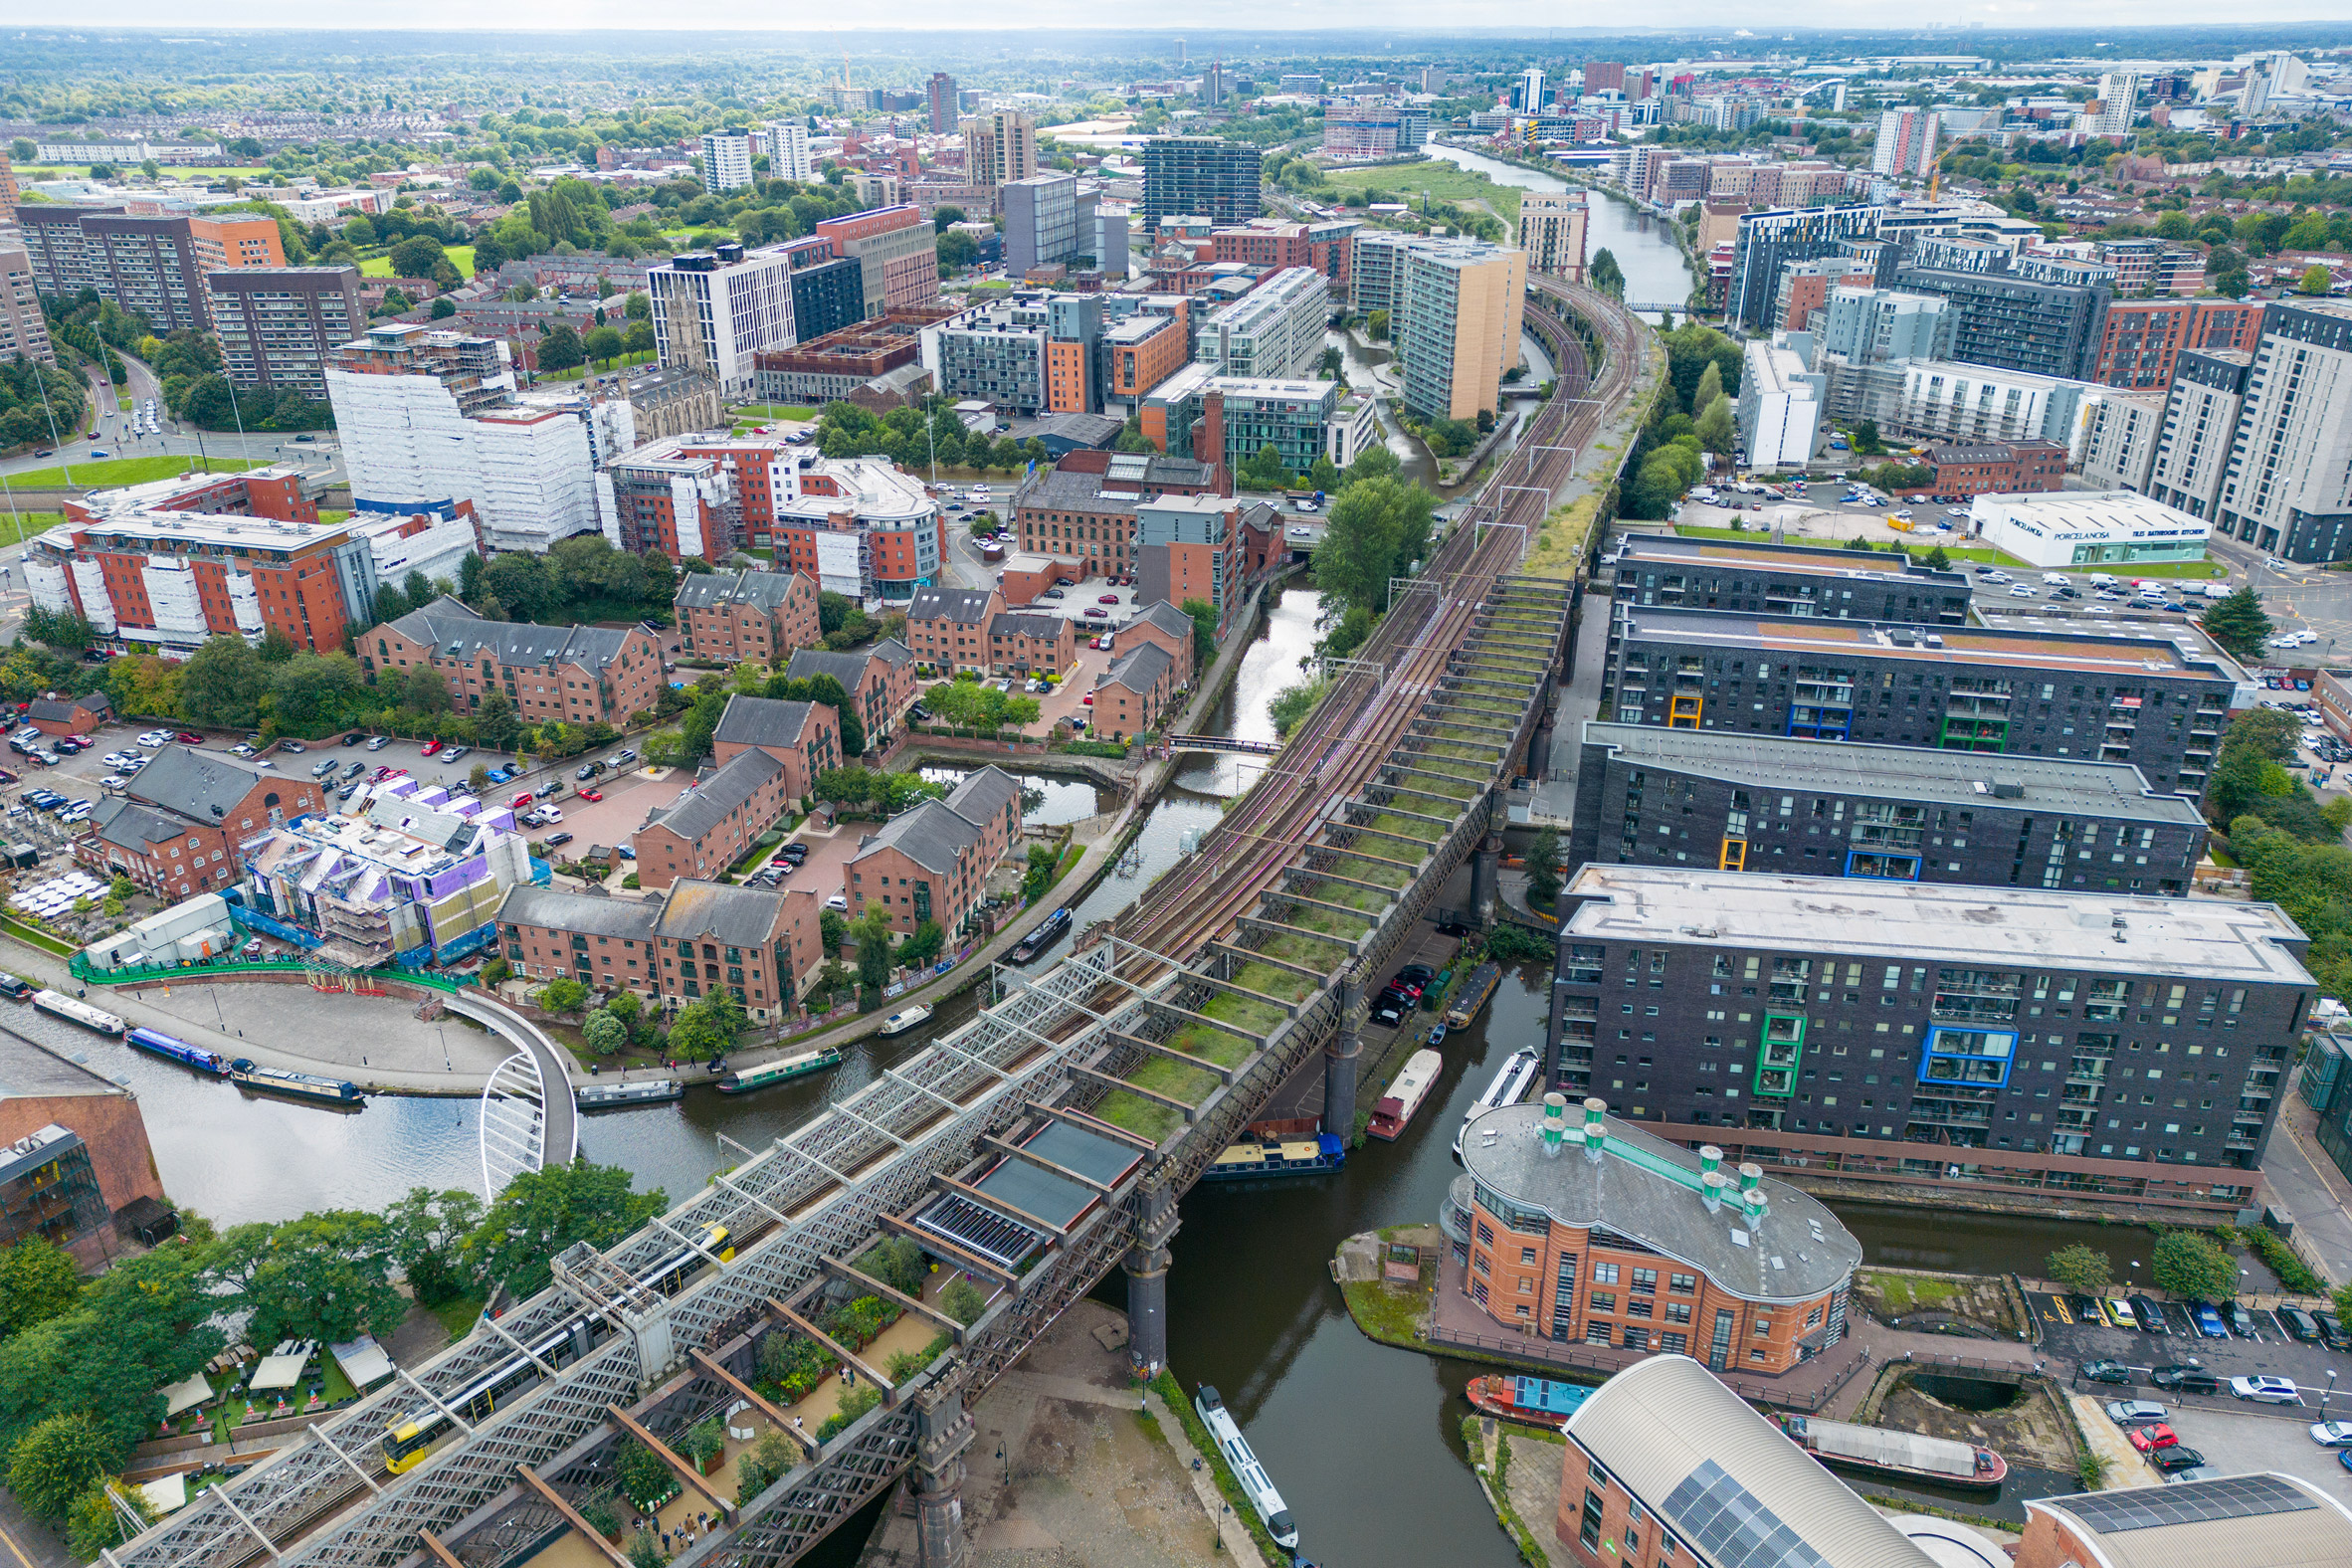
x=2323 y=1392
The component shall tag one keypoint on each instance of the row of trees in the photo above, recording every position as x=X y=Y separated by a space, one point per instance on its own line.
x=1702 y=375
x=915 y=438
x=81 y=1362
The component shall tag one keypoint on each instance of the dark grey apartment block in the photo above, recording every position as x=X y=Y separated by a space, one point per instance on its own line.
x=2156 y=700
x=1695 y=798
x=2107 y=1045
x=1785 y=579
x=278 y=325
x=2017 y=324
x=1202 y=176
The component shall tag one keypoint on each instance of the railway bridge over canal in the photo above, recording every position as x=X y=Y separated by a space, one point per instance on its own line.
x=1035 y=1147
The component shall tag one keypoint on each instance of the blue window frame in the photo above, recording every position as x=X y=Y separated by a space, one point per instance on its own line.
x=1970 y=1057
x=1882 y=867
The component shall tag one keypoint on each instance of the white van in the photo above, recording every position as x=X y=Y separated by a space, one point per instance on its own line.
x=2101 y=580
x=2216 y=590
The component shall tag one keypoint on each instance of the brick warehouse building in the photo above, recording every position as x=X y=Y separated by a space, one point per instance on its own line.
x=181 y=825
x=578 y=674
x=1647 y=796
x=2157 y=702
x=672 y=948
x=1997 y=468
x=2110 y=1047
x=1589 y=1231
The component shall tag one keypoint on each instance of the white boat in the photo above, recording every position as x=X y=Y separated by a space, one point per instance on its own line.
x=904 y=1019
x=1510 y=1086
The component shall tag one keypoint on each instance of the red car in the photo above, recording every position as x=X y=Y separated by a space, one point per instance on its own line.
x=519 y=801
x=592 y=794
x=2149 y=1439
x=431 y=748
x=189 y=737
x=1109 y=598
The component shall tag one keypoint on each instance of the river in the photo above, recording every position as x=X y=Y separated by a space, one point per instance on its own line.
x=1655 y=272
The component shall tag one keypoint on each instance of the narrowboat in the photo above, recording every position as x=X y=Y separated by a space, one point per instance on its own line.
x=1245 y=1469
x=295 y=1085
x=1477 y=987
x=156 y=1043
x=745 y=1080
x=904 y=1019
x=1042 y=938
x=59 y=1005
x=1251 y=1159
x=1899 y=1456
x=1536 y=1401
x=1509 y=1087
x=1404 y=1095
x=613 y=1096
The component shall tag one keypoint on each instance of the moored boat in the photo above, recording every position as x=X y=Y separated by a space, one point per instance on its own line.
x=612 y=1097
x=1039 y=940
x=59 y=1005
x=904 y=1019
x=1405 y=1094
x=1477 y=987
x=295 y=1085
x=156 y=1043
x=1536 y=1401
x=778 y=1072
x=1510 y=1085
x=1899 y=1456
x=1251 y=1159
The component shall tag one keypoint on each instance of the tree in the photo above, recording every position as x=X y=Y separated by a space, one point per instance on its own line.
x=59 y=1460
x=872 y=932
x=417 y=257
x=543 y=1211
x=563 y=996
x=2237 y=624
x=602 y=344
x=1376 y=326
x=956 y=250
x=962 y=1301
x=1543 y=868
x=604 y=1033
x=1377 y=530
x=2080 y=1268
x=1262 y=471
x=830 y=929
x=62 y=630
x=222 y=684
x=561 y=348
x=38 y=1282
x=1292 y=704
x=1866 y=437
x=96 y=1523
x=1711 y=387
x=1605 y=274
x=1714 y=429
x=495 y=722
x=1204 y=631
x=327 y=1276
x=1324 y=476
x=429 y=1231
x=426 y=689
x=1937 y=560
x=706 y=1029
x=2316 y=280
x=2191 y=1264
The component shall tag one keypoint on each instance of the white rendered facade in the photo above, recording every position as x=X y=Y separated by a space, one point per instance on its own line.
x=726 y=160
x=1779 y=406
x=1272 y=333
x=714 y=315
x=788 y=151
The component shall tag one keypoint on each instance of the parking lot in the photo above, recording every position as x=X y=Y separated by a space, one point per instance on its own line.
x=2236 y=1442
x=2264 y=1348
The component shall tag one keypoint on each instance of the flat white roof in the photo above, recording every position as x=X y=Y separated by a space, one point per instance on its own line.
x=2087 y=515
x=1926 y=922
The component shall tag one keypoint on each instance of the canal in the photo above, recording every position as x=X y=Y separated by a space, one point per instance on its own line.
x=1654 y=270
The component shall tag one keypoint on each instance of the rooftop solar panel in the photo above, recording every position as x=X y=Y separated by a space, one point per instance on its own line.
x=2190 y=1502
x=1731 y=1525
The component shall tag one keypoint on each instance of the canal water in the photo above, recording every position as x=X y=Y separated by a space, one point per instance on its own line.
x=1655 y=272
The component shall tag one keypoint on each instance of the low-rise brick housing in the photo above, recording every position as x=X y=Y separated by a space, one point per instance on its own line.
x=1134 y=693
x=1164 y=626
x=947 y=627
x=878 y=679
x=932 y=862
x=747 y=616
x=72 y=716
x=1999 y=468
x=577 y=675
x=702 y=936
x=1027 y=642
x=708 y=829
x=803 y=737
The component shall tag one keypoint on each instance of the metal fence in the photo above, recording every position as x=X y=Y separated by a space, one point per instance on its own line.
x=217 y=969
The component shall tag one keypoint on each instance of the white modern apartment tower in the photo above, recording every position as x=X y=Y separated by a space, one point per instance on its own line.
x=2119 y=96
x=726 y=160
x=788 y=151
x=1906 y=142
x=714 y=309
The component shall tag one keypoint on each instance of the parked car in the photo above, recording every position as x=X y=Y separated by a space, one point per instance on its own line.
x=2136 y=1412
x=241 y=749
x=2331 y=1331
x=2149 y=1315
x=152 y=740
x=2241 y=1320
x=589 y=770
x=355 y=737
x=622 y=756
x=2208 y=1319
x=1388 y=1010
x=431 y=748
x=558 y=840
x=2149 y=1439
x=2176 y=1459
x=837 y=903
x=499 y=775
x=355 y=769
x=2332 y=1433
x=454 y=752
x=2297 y=1324
x=592 y=794
x=1109 y=598
x=2116 y=1312
x=795 y=852
x=2265 y=1389
x=379 y=743
x=551 y=812
x=2185 y=1378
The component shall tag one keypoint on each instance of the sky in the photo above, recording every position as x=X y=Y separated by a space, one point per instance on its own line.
x=1238 y=15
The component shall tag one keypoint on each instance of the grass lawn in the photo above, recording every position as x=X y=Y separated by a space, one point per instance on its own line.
x=129 y=470
x=457 y=1317
x=601 y=367
x=1436 y=179
x=18 y=527
x=328 y=515
x=1909 y=1292
x=81 y=171
x=773 y=410
x=460 y=255
x=2125 y=569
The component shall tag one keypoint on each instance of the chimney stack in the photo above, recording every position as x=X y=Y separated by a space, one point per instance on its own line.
x=1711 y=1191
x=1596 y=1129
x=1556 y=1122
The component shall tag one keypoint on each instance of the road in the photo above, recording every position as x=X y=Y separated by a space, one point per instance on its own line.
x=112 y=433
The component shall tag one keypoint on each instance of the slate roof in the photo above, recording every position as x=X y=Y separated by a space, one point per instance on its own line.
x=984 y=794
x=932 y=835
x=129 y=825
x=451 y=629
x=1025 y=622
x=847 y=669
x=718 y=912
x=56 y=712
x=765 y=720
x=968 y=604
x=707 y=590
x=563 y=910
x=1138 y=670
x=1167 y=618
x=696 y=813
x=193 y=783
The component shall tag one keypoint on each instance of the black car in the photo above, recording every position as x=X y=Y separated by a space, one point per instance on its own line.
x=1388 y=1010
x=2331 y=1331
x=2149 y=1315
x=1420 y=974
x=2175 y=1457
x=557 y=838
x=2241 y=1322
x=2185 y=1379
x=2298 y=1323
x=796 y=853
x=354 y=738
x=2107 y=1372
x=2085 y=1309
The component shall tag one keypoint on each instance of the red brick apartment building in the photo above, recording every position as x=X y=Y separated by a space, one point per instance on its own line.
x=1999 y=468
x=180 y=827
x=1163 y=625
x=879 y=680
x=804 y=738
x=1084 y=509
x=747 y=616
x=932 y=862
x=1030 y=643
x=1593 y=1231
x=708 y=828
x=578 y=674
x=1134 y=693
x=2140 y=339
x=947 y=627
x=672 y=948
